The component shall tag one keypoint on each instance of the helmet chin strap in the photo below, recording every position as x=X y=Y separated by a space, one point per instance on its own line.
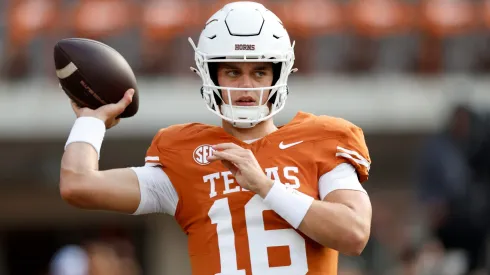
x=237 y=114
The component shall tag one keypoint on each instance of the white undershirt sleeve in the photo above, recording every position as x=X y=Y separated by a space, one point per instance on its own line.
x=158 y=195
x=343 y=176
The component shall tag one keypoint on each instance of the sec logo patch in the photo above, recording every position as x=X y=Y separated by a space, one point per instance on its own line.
x=202 y=153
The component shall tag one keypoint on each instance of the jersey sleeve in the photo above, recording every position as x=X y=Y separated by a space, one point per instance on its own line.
x=152 y=157
x=167 y=145
x=347 y=146
x=158 y=194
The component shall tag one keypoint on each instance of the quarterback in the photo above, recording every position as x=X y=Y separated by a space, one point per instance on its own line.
x=254 y=198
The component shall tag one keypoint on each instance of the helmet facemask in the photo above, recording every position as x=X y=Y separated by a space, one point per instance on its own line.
x=270 y=44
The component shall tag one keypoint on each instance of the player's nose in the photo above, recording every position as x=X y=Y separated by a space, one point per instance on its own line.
x=246 y=82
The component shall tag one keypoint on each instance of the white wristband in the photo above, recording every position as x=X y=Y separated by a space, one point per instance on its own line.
x=289 y=203
x=90 y=130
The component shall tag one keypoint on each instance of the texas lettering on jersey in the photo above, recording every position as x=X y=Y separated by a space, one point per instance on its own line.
x=230 y=186
x=230 y=229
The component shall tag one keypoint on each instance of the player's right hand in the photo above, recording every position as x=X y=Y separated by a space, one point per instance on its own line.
x=108 y=113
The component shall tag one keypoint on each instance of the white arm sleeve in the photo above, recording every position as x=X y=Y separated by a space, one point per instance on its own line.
x=343 y=176
x=158 y=195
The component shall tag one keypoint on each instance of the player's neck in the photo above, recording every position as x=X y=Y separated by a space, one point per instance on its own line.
x=258 y=131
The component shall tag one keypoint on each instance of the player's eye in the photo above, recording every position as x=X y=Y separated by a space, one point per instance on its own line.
x=232 y=73
x=260 y=73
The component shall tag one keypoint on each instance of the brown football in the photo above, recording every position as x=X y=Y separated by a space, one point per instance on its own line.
x=93 y=74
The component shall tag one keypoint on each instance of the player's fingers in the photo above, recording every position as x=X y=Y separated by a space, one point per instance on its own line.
x=126 y=100
x=233 y=149
x=230 y=166
x=225 y=146
x=242 y=153
x=80 y=111
x=222 y=155
x=214 y=157
x=117 y=108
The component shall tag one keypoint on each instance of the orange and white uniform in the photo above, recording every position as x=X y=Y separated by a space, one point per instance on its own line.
x=231 y=231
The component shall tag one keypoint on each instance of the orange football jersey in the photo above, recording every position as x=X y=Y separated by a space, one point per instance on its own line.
x=231 y=231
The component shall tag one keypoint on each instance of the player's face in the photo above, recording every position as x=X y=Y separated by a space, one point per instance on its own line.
x=245 y=75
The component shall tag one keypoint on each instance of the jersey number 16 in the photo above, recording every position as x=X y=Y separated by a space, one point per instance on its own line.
x=258 y=238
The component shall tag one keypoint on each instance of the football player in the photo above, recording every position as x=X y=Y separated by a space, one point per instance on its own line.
x=252 y=197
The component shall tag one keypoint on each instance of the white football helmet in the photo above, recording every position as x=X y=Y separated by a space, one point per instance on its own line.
x=244 y=32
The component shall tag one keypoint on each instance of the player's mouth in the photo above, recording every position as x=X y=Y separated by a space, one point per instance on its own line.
x=246 y=101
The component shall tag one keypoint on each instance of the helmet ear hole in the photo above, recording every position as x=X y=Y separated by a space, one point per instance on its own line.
x=276 y=74
x=213 y=74
x=273 y=98
x=218 y=100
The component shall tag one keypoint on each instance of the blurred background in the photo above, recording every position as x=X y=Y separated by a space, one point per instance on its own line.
x=412 y=73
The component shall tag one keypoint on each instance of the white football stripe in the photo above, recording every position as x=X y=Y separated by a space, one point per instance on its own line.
x=66 y=71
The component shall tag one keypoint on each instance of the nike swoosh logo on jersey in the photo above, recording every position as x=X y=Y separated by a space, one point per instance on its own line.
x=285 y=146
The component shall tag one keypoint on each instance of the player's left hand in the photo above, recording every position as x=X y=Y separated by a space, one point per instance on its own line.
x=244 y=166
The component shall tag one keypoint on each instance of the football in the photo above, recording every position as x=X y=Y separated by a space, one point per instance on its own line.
x=93 y=74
